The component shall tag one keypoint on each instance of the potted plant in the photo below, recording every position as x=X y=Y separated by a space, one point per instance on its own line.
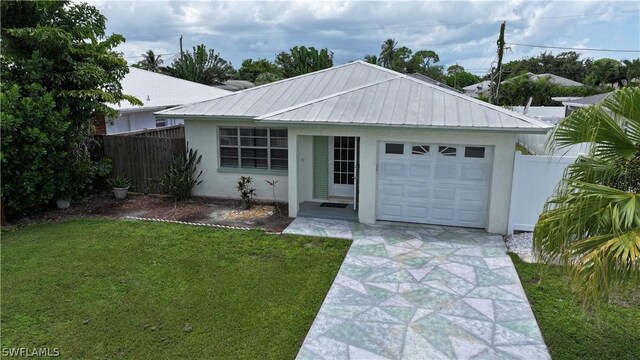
x=120 y=185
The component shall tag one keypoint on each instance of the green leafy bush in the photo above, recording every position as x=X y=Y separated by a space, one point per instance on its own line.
x=247 y=192
x=120 y=182
x=180 y=179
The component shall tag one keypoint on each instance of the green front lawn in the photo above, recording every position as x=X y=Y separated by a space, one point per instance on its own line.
x=113 y=289
x=569 y=331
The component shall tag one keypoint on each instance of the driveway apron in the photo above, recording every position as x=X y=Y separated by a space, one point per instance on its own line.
x=421 y=292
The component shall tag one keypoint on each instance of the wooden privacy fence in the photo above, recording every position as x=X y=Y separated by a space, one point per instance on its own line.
x=144 y=156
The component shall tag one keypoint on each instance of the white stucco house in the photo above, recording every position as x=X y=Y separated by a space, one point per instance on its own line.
x=157 y=92
x=380 y=144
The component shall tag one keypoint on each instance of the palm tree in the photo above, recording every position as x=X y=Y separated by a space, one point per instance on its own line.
x=592 y=222
x=201 y=66
x=387 y=53
x=150 y=61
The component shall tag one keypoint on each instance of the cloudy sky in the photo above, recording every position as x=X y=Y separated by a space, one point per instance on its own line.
x=462 y=32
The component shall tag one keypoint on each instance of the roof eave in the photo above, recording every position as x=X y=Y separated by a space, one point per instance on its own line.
x=543 y=130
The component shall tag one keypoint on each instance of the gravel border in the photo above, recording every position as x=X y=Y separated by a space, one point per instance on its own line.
x=521 y=244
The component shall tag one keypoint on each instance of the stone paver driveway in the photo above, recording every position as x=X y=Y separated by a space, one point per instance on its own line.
x=421 y=292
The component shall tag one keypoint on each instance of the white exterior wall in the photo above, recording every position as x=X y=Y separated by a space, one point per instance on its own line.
x=132 y=121
x=500 y=189
x=203 y=136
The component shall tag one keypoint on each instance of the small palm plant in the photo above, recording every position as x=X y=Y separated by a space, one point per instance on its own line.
x=247 y=192
x=592 y=222
x=182 y=176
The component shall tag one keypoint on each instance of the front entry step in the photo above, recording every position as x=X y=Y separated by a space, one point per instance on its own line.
x=315 y=209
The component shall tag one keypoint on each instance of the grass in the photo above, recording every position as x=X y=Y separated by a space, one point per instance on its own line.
x=571 y=332
x=113 y=289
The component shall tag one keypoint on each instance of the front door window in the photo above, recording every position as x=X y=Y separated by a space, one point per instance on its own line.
x=343 y=166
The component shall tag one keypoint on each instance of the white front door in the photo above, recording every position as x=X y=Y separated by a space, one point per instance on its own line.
x=342 y=164
x=434 y=183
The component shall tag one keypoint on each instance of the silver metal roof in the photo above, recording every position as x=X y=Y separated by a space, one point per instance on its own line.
x=405 y=101
x=359 y=93
x=278 y=95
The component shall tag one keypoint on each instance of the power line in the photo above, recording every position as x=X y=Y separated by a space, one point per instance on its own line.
x=576 y=48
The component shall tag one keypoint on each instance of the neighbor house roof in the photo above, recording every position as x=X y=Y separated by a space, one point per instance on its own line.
x=158 y=91
x=359 y=93
x=586 y=101
x=235 y=85
x=554 y=79
x=433 y=81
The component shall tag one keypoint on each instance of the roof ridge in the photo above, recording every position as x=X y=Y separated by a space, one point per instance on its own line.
x=323 y=98
x=175 y=78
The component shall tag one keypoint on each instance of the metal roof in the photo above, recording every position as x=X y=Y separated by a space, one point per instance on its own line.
x=405 y=101
x=281 y=94
x=157 y=91
x=585 y=101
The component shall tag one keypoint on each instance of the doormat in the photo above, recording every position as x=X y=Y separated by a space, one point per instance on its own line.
x=334 y=205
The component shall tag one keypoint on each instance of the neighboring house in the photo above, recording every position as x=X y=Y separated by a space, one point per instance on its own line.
x=157 y=92
x=483 y=88
x=235 y=85
x=391 y=146
x=434 y=82
x=574 y=104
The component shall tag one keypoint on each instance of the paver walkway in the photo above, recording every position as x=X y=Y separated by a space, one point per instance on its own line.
x=421 y=292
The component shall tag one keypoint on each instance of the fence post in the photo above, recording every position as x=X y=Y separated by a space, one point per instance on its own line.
x=514 y=190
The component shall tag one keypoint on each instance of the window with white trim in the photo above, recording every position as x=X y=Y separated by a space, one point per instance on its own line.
x=253 y=148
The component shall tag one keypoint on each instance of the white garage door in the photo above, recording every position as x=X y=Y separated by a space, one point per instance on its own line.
x=434 y=183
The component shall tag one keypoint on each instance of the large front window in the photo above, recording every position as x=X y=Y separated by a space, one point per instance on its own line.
x=253 y=148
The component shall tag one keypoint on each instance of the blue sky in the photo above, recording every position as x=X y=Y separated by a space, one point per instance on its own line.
x=462 y=32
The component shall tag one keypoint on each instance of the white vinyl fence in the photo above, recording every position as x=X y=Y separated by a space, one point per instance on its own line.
x=534 y=180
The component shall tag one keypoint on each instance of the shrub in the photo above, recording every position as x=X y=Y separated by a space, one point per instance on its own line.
x=247 y=192
x=120 y=182
x=180 y=179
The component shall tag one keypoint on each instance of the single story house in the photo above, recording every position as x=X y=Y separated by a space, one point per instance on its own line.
x=574 y=104
x=383 y=145
x=483 y=88
x=425 y=78
x=157 y=92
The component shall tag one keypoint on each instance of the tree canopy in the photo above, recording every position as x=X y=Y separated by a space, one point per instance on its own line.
x=59 y=71
x=202 y=66
x=150 y=62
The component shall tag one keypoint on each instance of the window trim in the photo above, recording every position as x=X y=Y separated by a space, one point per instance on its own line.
x=239 y=147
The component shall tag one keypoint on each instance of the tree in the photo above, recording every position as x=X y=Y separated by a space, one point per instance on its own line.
x=202 y=66
x=424 y=62
x=455 y=69
x=633 y=70
x=302 y=60
x=592 y=222
x=251 y=69
x=387 y=53
x=371 y=59
x=607 y=71
x=566 y=64
x=460 y=79
x=150 y=62
x=59 y=70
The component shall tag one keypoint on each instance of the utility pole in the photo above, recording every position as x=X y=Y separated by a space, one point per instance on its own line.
x=181 y=46
x=498 y=72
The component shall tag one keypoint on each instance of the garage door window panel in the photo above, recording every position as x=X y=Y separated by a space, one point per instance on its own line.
x=474 y=152
x=447 y=150
x=394 y=149
x=420 y=150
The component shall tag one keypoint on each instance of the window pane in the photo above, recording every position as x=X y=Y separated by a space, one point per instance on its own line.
x=253 y=153
x=474 y=152
x=228 y=162
x=336 y=153
x=279 y=133
x=279 y=142
x=228 y=140
x=394 y=149
x=336 y=178
x=279 y=154
x=447 y=150
x=229 y=131
x=253 y=141
x=257 y=163
x=344 y=179
x=279 y=164
x=420 y=149
x=229 y=152
x=350 y=167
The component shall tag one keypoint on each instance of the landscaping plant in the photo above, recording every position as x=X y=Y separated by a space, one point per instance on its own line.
x=272 y=184
x=59 y=70
x=180 y=179
x=247 y=192
x=592 y=222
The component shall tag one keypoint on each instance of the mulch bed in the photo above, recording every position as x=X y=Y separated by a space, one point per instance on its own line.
x=103 y=205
